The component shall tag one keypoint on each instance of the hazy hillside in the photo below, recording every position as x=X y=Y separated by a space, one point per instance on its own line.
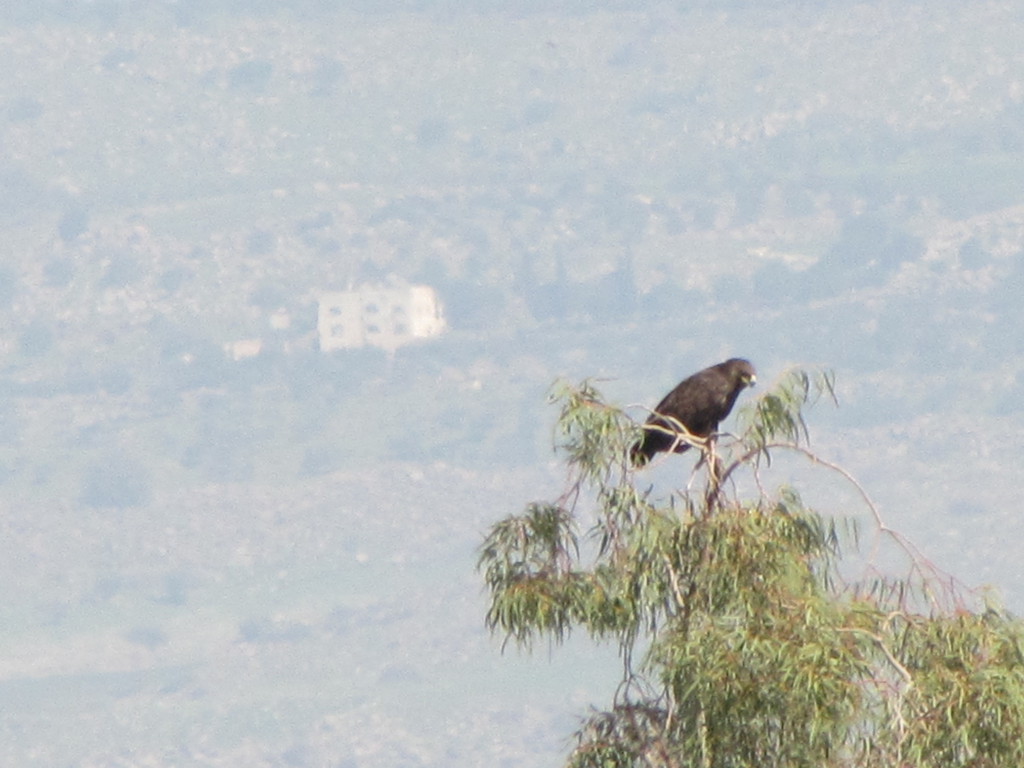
x=835 y=184
x=268 y=561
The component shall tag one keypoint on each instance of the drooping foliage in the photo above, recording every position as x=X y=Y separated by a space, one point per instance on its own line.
x=745 y=639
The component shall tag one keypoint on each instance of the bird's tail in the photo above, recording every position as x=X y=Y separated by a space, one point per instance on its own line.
x=641 y=452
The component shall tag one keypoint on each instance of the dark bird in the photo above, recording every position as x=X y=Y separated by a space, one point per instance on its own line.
x=699 y=403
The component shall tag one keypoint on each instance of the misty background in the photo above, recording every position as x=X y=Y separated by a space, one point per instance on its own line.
x=224 y=558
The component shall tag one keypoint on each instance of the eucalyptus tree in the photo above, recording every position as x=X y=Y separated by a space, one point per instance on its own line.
x=752 y=630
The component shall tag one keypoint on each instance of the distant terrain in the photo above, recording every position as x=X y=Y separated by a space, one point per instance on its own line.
x=269 y=561
x=336 y=623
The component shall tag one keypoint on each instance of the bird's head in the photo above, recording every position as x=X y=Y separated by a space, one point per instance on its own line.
x=743 y=372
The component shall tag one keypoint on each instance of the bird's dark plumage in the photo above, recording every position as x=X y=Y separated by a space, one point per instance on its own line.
x=699 y=403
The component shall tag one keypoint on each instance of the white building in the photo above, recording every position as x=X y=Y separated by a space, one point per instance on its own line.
x=385 y=317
